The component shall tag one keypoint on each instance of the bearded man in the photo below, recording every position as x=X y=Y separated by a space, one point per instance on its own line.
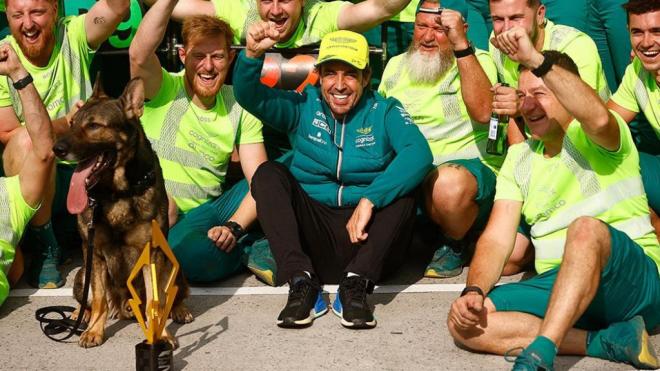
x=193 y=123
x=445 y=85
x=57 y=53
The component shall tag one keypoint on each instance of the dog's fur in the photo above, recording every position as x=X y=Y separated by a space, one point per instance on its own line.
x=109 y=130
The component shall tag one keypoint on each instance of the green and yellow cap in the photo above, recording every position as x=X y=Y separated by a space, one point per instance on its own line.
x=345 y=46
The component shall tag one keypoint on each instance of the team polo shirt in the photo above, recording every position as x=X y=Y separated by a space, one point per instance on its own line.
x=584 y=179
x=194 y=145
x=318 y=19
x=639 y=91
x=65 y=79
x=15 y=214
x=578 y=45
x=439 y=111
x=408 y=14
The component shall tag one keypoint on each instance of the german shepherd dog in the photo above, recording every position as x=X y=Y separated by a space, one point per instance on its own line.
x=120 y=171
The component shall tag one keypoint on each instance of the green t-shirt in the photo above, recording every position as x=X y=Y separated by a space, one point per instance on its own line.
x=15 y=214
x=440 y=112
x=318 y=19
x=408 y=13
x=583 y=180
x=639 y=91
x=578 y=45
x=65 y=80
x=194 y=145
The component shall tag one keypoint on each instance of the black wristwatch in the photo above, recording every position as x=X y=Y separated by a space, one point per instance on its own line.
x=465 y=52
x=20 y=84
x=546 y=65
x=235 y=229
x=472 y=289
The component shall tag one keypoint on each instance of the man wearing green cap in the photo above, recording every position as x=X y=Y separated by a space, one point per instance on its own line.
x=300 y=22
x=445 y=86
x=343 y=210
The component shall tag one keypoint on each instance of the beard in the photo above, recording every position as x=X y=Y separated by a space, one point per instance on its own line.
x=37 y=50
x=200 y=90
x=427 y=68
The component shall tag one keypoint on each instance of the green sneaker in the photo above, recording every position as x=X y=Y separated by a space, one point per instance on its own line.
x=447 y=262
x=628 y=342
x=261 y=262
x=530 y=361
x=43 y=272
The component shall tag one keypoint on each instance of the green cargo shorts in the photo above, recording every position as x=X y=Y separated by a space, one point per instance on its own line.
x=629 y=286
x=486 y=180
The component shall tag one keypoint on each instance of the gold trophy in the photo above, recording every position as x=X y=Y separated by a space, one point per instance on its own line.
x=155 y=353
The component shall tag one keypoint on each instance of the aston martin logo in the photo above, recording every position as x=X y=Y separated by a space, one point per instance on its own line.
x=364 y=131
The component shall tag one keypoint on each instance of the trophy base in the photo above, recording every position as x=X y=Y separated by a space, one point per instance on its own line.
x=152 y=357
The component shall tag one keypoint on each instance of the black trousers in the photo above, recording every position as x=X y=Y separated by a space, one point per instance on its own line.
x=306 y=235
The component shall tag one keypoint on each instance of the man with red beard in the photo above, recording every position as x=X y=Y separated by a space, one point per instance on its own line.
x=300 y=22
x=57 y=53
x=193 y=123
x=445 y=86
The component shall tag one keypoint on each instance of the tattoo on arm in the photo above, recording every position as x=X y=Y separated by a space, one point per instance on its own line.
x=99 y=20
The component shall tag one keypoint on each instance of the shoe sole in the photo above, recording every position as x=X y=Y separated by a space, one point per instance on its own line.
x=646 y=359
x=432 y=273
x=353 y=325
x=305 y=322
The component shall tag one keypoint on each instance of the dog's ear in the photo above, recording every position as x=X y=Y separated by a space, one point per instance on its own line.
x=132 y=99
x=98 y=91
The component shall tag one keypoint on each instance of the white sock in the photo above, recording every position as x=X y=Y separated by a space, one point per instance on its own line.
x=351 y=274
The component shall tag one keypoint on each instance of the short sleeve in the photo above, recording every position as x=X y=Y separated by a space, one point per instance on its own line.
x=249 y=130
x=507 y=188
x=325 y=19
x=167 y=89
x=625 y=95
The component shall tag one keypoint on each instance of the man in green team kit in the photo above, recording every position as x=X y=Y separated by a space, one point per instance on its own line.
x=57 y=52
x=640 y=88
x=22 y=194
x=443 y=82
x=300 y=22
x=576 y=182
x=193 y=123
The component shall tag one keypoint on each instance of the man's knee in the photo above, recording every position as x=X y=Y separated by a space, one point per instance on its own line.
x=453 y=186
x=267 y=173
x=588 y=229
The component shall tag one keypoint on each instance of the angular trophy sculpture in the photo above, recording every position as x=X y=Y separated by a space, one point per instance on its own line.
x=155 y=353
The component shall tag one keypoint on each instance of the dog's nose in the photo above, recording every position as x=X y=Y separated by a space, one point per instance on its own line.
x=61 y=149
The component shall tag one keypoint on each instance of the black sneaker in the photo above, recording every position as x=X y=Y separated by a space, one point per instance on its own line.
x=351 y=303
x=305 y=303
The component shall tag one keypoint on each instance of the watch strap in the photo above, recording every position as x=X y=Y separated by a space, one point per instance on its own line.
x=464 y=52
x=476 y=289
x=545 y=66
x=20 y=84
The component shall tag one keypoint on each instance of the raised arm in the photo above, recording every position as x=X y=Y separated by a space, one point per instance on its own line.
x=38 y=164
x=475 y=85
x=578 y=98
x=369 y=13
x=187 y=8
x=142 y=53
x=102 y=20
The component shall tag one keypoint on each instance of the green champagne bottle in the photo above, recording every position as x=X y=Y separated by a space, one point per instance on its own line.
x=497 y=139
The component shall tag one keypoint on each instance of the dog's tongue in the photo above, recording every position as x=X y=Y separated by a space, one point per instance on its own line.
x=76 y=201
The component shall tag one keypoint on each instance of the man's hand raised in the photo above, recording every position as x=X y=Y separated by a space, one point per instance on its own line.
x=455 y=28
x=467 y=311
x=10 y=65
x=261 y=36
x=517 y=45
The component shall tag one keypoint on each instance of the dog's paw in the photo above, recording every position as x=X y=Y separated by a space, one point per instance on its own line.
x=74 y=315
x=181 y=314
x=171 y=340
x=89 y=339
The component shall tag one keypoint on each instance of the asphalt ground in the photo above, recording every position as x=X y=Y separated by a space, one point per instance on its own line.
x=234 y=329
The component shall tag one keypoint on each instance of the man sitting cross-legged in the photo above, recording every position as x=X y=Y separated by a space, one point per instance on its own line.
x=344 y=209
x=577 y=183
x=193 y=123
x=21 y=195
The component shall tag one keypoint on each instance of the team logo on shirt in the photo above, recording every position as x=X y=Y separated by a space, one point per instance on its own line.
x=365 y=141
x=365 y=131
x=318 y=123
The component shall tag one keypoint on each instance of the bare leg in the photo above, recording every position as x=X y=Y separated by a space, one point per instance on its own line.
x=501 y=332
x=449 y=194
x=586 y=253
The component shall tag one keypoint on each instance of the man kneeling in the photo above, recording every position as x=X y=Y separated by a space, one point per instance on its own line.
x=343 y=211
x=577 y=183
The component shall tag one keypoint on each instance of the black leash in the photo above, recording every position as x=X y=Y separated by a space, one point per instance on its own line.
x=55 y=326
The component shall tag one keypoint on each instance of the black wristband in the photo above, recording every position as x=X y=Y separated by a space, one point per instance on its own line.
x=472 y=289
x=465 y=52
x=235 y=229
x=545 y=66
x=20 y=84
